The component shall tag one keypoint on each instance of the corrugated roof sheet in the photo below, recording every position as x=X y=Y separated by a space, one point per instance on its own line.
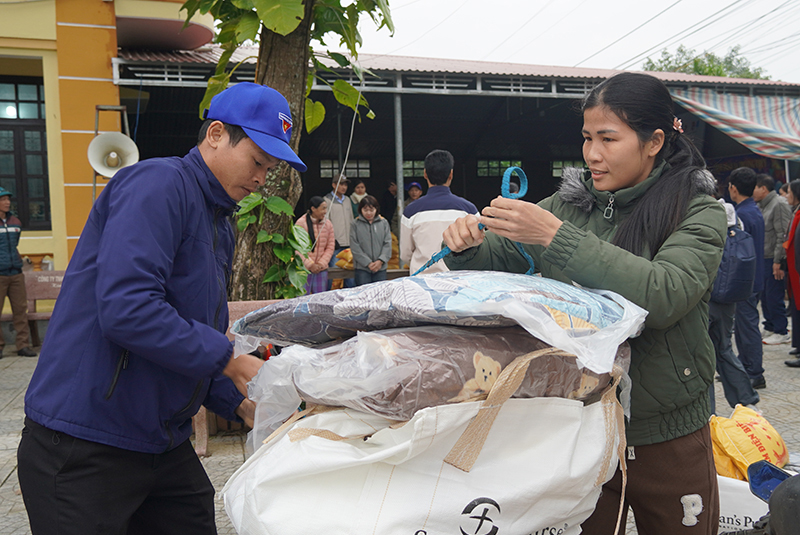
x=211 y=54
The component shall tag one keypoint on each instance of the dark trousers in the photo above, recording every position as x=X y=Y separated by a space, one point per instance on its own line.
x=735 y=381
x=73 y=486
x=748 y=337
x=365 y=276
x=795 y=322
x=13 y=286
x=772 y=301
x=672 y=489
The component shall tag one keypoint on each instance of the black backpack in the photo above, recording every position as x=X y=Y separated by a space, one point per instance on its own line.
x=737 y=270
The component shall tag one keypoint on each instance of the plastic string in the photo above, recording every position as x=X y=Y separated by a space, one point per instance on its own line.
x=505 y=190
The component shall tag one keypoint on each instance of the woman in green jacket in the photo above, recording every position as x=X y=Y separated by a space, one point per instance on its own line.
x=642 y=223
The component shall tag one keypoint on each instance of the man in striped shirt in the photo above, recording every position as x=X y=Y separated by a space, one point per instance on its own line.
x=425 y=219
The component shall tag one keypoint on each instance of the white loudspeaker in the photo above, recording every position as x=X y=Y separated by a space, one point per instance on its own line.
x=110 y=152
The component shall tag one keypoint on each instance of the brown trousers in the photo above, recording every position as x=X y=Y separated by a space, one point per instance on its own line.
x=13 y=286
x=672 y=489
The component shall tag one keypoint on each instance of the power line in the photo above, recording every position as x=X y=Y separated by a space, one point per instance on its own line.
x=639 y=56
x=540 y=34
x=518 y=29
x=429 y=30
x=630 y=32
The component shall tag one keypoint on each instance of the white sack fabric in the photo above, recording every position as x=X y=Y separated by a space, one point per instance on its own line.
x=518 y=465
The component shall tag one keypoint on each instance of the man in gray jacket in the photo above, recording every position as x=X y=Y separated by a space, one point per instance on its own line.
x=777 y=216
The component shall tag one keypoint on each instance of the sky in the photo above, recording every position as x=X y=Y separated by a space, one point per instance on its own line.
x=606 y=34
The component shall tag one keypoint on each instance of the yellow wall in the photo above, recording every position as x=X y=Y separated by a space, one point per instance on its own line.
x=29 y=20
x=70 y=44
x=87 y=40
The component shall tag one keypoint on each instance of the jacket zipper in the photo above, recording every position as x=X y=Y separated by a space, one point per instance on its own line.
x=122 y=363
x=184 y=409
x=608 y=213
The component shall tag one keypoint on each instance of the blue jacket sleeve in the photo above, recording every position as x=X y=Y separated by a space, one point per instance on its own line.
x=142 y=234
x=223 y=398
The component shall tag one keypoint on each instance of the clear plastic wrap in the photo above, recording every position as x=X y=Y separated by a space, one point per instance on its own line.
x=394 y=373
x=590 y=324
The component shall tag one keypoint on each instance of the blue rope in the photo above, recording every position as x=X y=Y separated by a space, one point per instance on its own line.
x=506 y=192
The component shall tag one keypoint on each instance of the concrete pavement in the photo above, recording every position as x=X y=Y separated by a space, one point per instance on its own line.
x=780 y=403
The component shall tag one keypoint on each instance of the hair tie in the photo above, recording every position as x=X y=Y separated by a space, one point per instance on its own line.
x=677 y=125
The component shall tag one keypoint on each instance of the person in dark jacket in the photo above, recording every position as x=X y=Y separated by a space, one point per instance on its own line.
x=370 y=242
x=741 y=184
x=642 y=224
x=12 y=281
x=137 y=338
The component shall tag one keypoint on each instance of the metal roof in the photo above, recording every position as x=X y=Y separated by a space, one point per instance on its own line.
x=414 y=74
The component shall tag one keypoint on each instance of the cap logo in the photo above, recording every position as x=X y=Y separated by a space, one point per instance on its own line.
x=286 y=121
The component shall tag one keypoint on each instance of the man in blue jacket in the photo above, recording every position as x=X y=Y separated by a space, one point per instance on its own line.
x=136 y=342
x=741 y=184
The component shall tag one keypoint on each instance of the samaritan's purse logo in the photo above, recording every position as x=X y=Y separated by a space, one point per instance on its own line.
x=478 y=521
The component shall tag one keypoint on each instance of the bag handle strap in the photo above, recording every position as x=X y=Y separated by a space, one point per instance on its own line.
x=466 y=450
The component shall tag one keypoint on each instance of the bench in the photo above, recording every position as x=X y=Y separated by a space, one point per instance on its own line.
x=39 y=285
x=339 y=273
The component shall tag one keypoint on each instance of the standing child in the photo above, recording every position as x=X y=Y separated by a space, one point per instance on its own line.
x=370 y=242
x=320 y=230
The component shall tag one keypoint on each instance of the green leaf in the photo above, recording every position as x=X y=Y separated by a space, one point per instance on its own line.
x=263 y=236
x=315 y=114
x=248 y=27
x=341 y=59
x=274 y=274
x=216 y=84
x=277 y=205
x=347 y=95
x=297 y=278
x=284 y=252
x=245 y=220
x=250 y=202
x=281 y=16
x=278 y=238
x=244 y=4
x=370 y=114
x=301 y=239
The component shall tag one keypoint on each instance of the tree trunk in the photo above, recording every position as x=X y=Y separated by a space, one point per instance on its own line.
x=280 y=67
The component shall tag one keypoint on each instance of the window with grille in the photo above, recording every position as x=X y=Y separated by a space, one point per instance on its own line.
x=329 y=169
x=23 y=150
x=496 y=168
x=558 y=166
x=414 y=169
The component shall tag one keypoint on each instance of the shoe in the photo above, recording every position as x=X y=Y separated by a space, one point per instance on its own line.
x=27 y=352
x=777 y=339
x=795 y=351
x=754 y=409
x=794 y=363
x=759 y=383
x=766 y=332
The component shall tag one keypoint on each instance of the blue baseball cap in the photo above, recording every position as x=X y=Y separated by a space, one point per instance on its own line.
x=413 y=185
x=4 y=192
x=264 y=115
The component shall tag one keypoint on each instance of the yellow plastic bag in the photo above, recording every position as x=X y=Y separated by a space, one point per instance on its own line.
x=746 y=437
x=345 y=259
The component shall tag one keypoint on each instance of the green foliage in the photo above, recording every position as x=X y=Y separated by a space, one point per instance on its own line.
x=289 y=272
x=240 y=21
x=732 y=65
